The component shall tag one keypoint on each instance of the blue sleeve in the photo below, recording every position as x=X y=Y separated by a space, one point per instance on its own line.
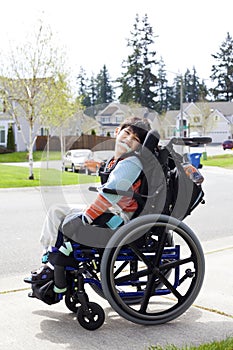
x=122 y=177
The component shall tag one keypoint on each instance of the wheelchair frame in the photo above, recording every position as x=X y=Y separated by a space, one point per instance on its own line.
x=150 y=271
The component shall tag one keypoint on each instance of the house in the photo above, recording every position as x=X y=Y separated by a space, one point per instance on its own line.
x=213 y=119
x=168 y=124
x=115 y=113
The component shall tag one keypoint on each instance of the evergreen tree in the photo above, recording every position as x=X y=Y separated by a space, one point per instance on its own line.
x=188 y=86
x=174 y=93
x=104 y=89
x=11 y=139
x=203 y=91
x=222 y=71
x=162 y=89
x=131 y=79
x=83 y=88
x=149 y=80
x=138 y=82
x=91 y=111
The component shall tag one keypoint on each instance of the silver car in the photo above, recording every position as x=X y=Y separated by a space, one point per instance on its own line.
x=74 y=159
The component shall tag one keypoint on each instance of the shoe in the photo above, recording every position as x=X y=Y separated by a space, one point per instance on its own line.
x=41 y=276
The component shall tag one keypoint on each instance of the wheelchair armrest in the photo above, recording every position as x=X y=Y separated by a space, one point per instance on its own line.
x=190 y=141
x=93 y=189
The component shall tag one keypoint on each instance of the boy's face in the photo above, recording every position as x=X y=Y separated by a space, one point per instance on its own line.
x=126 y=141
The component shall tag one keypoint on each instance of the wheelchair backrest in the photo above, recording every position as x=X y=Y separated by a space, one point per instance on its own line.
x=165 y=186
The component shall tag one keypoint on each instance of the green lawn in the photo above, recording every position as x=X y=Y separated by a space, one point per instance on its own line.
x=216 y=345
x=23 y=156
x=224 y=161
x=17 y=176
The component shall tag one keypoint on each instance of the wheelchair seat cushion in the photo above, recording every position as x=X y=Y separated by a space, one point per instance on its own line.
x=89 y=235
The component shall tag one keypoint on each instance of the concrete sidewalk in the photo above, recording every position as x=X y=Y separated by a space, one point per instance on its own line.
x=30 y=324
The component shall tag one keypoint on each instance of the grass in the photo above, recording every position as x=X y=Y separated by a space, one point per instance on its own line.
x=223 y=161
x=226 y=344
x=23 y=157
x=17 y=176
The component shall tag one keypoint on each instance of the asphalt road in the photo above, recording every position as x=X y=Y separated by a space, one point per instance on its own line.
x=22 y=212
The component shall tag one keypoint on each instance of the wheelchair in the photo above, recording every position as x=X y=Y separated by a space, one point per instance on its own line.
x=151 y=269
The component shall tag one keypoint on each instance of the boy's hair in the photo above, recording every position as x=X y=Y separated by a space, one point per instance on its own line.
x=139 y=126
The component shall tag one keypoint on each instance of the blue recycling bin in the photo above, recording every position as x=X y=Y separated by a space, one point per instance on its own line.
x=196 y=159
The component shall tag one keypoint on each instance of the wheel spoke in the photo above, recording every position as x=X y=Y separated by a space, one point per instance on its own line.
x=175 y=263
x=147 y=294
x=132 y=276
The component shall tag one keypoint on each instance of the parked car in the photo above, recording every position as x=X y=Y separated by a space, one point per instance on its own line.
x=74 y=159
x=97 y=161
x=228 y=144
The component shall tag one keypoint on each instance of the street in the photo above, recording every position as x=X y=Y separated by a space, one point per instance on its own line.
x=23 y=211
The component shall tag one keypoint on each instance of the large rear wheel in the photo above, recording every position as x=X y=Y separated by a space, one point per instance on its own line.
x=166 y=279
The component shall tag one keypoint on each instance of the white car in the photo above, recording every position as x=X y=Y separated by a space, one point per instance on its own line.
x=74 y=159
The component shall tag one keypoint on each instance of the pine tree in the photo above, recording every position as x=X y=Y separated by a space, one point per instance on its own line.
x=104 y=89
x=149 y=80
x=138 y=81
x=83 y=88
x=174 y=94
x=11 y=139
x=162 y=89
x=131 y=79
x=222 y=71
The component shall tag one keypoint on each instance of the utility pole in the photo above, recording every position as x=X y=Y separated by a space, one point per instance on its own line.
x=181 y=107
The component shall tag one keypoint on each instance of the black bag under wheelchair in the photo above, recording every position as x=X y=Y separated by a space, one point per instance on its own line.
x=151 y=269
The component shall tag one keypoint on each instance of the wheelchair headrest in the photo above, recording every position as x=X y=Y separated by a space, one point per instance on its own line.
x=151 y=141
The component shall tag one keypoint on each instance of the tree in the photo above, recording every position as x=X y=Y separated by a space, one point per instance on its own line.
x=11 y=139
x=83 y=83
x=138 y=81
x=194 y=91
x=60 y=106
x=31 y=69
x=222 y=71
x=104 y=89
x=162 y=89
x=149 y=79
x=174 y=93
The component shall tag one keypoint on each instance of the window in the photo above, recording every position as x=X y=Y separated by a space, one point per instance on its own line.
x=44 y=131
x=105 y=120
x=2 y=135
x=119 y=118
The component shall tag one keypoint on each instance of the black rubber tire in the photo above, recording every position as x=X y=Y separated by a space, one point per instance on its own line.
x=71 y=302
x=92 y=320
x=153 y=308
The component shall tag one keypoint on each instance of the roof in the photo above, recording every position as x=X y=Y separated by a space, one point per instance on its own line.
x=226 y=108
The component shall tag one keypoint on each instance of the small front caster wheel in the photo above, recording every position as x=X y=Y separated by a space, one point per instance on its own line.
x=92 y=318
x=71 y=301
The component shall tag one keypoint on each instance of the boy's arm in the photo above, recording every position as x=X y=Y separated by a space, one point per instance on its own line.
x=122 y=178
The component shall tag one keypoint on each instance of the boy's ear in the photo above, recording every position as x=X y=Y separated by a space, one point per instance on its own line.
x=117 y=130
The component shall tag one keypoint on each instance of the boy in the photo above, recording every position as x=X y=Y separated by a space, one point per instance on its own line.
x=108 y=210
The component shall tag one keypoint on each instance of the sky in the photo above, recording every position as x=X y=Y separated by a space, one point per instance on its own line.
x=95 y=32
